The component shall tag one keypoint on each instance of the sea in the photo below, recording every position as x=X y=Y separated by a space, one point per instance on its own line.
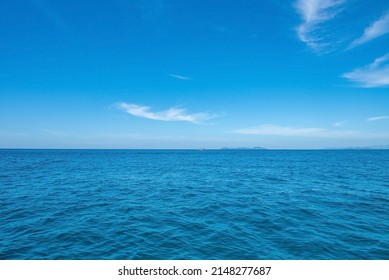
x=194 y=204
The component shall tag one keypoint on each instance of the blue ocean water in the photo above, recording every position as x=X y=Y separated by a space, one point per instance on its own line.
x=189 y=204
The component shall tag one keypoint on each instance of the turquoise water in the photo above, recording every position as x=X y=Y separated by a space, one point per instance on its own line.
x=188 y=204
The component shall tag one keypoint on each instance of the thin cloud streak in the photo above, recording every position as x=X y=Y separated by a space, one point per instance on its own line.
x=179 y=77
x=171 y=114
x=313 y=132
x=52 y=15
x=6 y=133
x=314 y=13
x=372 y=75
x=127 y=136
x=54 y=133
x=377 y=118
x=376 y=29
x=339 y=124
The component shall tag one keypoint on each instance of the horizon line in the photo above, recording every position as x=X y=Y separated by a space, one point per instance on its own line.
x=211 y=149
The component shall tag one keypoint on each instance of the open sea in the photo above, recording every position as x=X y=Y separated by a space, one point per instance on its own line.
x=190 y=204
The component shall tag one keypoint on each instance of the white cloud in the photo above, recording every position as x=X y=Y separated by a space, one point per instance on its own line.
x=378 y=118
x=179 y=77
x=314 y=132
x=378 y=28
x=171 y=114
x=372 y=75
x=339 y=124
x=314 y=13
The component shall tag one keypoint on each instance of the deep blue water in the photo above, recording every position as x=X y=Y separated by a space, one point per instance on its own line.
x=183 y=204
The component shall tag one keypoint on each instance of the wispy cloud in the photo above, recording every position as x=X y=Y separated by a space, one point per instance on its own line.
x=54 y=133
x=372 y=75
x=52 y=15
x=339 y=124
x=150 y=9
x=314 y=132
x=11 y=133
x=171 y=114
x=315 y=13
x=377 y=118
x=127 y=136
x=269 y=129
x=378 y=28
x=179 y=77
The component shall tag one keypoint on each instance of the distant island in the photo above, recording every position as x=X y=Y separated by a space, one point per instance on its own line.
x=380 y=147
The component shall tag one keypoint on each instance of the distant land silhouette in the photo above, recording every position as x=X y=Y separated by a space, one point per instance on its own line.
x=378 y=147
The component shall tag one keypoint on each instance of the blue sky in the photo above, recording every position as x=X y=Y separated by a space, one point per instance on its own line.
x=189 y=74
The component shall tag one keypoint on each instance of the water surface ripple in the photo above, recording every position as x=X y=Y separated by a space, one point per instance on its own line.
x=187 y=204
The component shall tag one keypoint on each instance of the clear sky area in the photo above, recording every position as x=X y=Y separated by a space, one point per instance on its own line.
x=190 y=74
